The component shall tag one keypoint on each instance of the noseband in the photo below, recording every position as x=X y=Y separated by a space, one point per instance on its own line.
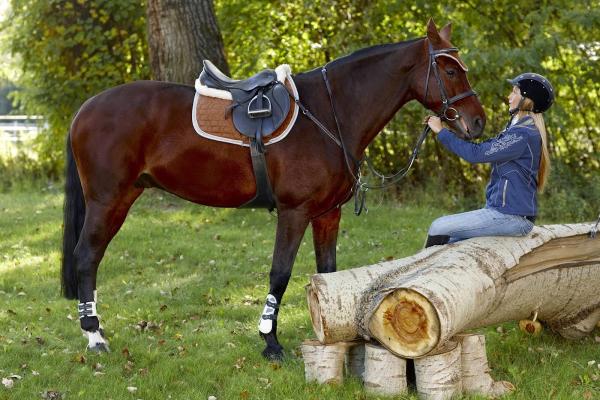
x=446 y=102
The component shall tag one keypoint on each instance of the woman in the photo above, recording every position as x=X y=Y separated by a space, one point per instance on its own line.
x=520 y=166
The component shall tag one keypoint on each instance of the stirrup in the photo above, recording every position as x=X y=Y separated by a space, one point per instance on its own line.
x=260 y=112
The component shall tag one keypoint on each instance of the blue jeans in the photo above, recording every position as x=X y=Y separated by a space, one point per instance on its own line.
x=482 y=222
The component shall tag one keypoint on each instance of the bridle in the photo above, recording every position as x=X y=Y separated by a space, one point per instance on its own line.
x=360 y=188
x=446 y=102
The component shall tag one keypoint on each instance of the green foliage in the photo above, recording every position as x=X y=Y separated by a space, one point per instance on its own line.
x=498 y=40
x=70 y=50
x=21 y=172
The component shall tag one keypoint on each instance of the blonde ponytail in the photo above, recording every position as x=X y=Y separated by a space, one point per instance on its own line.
x=538 y=119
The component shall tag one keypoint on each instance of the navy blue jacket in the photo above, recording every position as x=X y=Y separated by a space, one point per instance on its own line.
x=515 y=157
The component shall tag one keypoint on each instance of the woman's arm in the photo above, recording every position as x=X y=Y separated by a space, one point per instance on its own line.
x=502 y=148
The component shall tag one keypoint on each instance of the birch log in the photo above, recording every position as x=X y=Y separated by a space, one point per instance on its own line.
x=555 y=271
x=414 y=304
x=439 y=375
x=323 y=363
x=385 y=373
x=333 y=298
x=476 y=376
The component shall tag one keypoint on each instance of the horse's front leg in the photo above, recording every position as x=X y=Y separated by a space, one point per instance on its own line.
x=325 y=233
x=291 y=225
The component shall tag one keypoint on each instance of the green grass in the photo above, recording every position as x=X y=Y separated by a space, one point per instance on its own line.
x=199 y=276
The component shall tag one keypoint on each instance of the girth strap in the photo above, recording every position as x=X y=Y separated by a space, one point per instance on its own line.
x=264 y=193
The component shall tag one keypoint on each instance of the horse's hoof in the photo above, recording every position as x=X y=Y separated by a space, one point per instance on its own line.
x=99 y=348
x=273 y=353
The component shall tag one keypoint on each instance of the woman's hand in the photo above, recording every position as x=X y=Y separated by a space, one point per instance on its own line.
x=435 y=123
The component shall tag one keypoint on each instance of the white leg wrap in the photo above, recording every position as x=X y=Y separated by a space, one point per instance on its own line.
x=265 y=324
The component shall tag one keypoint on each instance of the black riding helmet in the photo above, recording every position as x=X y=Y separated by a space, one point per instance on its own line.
x=536 y=88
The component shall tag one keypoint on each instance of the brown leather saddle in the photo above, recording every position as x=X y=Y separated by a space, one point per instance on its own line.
x=261 y=105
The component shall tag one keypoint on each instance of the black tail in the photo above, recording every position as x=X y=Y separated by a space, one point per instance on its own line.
x=74 y=215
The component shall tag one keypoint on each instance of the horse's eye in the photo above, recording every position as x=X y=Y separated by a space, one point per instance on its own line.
x=451 y=72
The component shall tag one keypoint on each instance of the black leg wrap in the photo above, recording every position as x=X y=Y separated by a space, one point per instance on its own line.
x=90 y=324
x=437 y=240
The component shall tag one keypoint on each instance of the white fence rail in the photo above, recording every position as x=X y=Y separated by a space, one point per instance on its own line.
x=17 y=133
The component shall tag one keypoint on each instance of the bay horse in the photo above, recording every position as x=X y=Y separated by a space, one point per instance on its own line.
x=140 y=135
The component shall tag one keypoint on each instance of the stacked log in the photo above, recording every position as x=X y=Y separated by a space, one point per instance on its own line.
x=460 y=366
x=384 y=372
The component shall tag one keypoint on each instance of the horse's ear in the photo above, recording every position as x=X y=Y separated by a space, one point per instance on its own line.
x=446 y=32
x=432 y=32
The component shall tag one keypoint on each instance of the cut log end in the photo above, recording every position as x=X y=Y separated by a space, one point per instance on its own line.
x=406 y=323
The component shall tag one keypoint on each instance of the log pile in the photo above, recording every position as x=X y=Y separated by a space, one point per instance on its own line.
x=460 y=366
x=418 y=306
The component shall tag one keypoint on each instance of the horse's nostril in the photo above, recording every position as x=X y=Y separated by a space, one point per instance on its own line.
x=479 y=123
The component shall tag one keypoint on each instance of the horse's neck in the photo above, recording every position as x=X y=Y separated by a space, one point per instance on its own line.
x=369 y=91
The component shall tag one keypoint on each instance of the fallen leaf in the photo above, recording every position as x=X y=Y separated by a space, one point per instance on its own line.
x=275 y=366
x=244 y=395
x=239 y=364
x=52 y=395
x=129 y=366
x=163 y=307
x=8 y=383
x=125 y=352
x=79 y=358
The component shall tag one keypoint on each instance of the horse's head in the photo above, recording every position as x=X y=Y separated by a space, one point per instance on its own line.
x=442 y=86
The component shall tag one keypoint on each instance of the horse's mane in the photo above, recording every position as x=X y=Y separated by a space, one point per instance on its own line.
x=377 y=50
x=366 y=53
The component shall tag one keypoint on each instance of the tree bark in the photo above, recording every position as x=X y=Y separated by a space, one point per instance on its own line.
x=182 y=33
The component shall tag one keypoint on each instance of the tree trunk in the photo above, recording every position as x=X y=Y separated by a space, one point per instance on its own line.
x=333 y=298
x=182 y=33
x=555 y=272
x=420 y=304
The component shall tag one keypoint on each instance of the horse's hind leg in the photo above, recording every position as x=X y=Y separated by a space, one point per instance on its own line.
x=102 y=222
